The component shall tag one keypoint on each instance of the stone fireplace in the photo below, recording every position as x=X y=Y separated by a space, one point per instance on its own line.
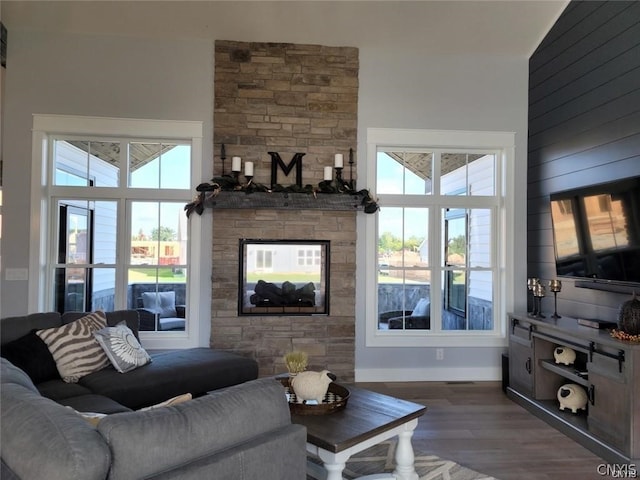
x=285 y=98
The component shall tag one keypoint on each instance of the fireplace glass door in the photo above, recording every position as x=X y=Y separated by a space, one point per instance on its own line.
x=284 y=277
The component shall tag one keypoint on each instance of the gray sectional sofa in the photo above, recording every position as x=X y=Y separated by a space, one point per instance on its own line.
x=238 y=427
x=170 y=373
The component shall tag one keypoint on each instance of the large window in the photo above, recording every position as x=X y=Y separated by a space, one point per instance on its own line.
x=113 y=225
x=438 y=236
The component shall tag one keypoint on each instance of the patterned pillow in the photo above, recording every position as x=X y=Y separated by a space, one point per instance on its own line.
x=75 y=350
x=122 y=347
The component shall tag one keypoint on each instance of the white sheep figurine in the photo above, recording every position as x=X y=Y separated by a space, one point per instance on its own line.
x=564 y=355
x=573 y=397
x=312 y=385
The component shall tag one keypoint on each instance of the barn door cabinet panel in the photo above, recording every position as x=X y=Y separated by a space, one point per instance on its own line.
x=604 y=368
x=521 y=357
x=609 y=415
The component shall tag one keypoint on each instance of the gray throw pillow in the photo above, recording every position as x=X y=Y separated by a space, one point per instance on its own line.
x=122 y=348
x=162 y=303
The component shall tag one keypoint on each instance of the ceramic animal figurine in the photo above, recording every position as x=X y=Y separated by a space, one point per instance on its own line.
x=312 y=385
x=564 y=355
x=573 y=397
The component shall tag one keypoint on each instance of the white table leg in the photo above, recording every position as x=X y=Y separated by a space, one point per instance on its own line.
x=334 y=463
x=405 y=468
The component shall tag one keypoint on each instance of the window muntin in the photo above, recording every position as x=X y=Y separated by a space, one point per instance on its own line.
x=86 y=252
x=86 y=278
x=159 y=165
x=404 y=172
x=403 y=263
x=309 y=257
x=467 y=173
x=464 y=268
x=86 y=163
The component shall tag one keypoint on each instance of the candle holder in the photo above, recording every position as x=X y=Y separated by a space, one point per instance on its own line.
x=249 y=179
x=223 y=156
x=555 y=286
x=531 y=283
x=352 y=185
x=538 y=295
x=339 y=176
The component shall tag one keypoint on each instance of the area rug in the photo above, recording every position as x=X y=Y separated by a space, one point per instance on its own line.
x=380 y=459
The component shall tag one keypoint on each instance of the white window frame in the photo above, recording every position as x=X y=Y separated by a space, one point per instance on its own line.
x=504 y=144
x=45 y=129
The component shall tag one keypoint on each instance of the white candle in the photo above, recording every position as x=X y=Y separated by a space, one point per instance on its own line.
x=236 y=164
x=338 y=161
x=328 y=173
x=248 y=169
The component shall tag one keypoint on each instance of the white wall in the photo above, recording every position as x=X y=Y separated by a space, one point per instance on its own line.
x=407 y=89
x=53 y=73
x=404 y=83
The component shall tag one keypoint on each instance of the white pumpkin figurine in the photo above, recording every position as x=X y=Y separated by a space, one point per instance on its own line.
x=573 y=397
x=312 y=385
x=564 y=355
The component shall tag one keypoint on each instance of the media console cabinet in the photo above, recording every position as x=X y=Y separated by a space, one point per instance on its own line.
x=606 y=368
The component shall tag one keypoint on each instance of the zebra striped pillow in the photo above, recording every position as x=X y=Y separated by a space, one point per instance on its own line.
x=75 y=349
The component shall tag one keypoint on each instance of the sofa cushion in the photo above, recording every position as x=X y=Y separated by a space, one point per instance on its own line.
x=43 y=439
x=193 y=370
x=93 y=403
x=204 y=425
x=59 y=389
x=74 y=348
x=171 y=323
x=162 y=303
x=122 y=348
x=9 y=373
x=252 y=459
x=16 y=327
x=32 y=355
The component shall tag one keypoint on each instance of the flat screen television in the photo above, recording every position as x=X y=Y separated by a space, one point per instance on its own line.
x=596 y=232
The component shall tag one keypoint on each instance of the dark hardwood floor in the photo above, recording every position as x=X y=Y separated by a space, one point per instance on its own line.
x=476 y=425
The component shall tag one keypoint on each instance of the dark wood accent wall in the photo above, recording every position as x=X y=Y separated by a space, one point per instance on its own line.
x=584 y=127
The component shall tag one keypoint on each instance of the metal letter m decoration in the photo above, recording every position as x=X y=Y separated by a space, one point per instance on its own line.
x=276 y=162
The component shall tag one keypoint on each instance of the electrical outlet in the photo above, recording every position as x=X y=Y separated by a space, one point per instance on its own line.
x=439 y=353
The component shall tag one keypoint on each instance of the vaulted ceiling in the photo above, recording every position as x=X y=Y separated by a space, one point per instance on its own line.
x=510 y=27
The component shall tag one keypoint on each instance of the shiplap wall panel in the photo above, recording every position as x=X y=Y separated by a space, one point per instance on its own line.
x=574 y=14
x=587 y=45
x=584 y=127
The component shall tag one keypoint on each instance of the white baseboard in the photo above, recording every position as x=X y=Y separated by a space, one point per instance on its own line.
x=450 y=374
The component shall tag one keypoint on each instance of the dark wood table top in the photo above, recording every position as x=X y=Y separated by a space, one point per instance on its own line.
x=367 y=414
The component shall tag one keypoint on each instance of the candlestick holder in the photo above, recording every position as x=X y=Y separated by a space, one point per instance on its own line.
x=531 y=283
x=339 y=176
x=352 y=185
x=223 y=156
x=538 y=295
x=555 y=286
x=249 y=179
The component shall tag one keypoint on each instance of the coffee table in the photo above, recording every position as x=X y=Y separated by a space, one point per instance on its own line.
x=368 y=419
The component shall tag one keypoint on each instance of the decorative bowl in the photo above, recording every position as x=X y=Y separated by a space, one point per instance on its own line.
x=335 y=399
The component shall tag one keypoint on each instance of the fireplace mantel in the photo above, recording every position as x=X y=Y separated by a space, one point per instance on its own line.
x=284 y=201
